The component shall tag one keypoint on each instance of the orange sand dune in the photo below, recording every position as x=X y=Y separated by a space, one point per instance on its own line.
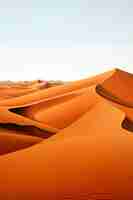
x=12 y=140
x=72 y=141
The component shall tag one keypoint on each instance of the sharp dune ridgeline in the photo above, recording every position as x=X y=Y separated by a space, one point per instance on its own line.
x=67 y=140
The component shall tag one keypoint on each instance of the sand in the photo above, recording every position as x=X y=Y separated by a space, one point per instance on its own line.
x=71 y=141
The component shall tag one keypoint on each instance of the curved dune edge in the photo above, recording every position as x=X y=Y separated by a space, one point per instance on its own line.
x=88 y=154
x=13 y=140
x=122 y=94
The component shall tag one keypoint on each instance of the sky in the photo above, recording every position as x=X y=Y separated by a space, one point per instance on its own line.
x=64 y=39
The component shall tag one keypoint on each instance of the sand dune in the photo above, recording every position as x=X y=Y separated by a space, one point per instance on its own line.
x=71 y=141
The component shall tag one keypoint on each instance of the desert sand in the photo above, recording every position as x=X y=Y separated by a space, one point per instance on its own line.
x=67 y=141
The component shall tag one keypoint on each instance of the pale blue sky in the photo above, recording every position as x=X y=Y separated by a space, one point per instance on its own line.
x=65 y=23
x=64 y=39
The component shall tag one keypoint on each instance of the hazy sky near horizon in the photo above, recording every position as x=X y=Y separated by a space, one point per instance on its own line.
x=76 y=37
